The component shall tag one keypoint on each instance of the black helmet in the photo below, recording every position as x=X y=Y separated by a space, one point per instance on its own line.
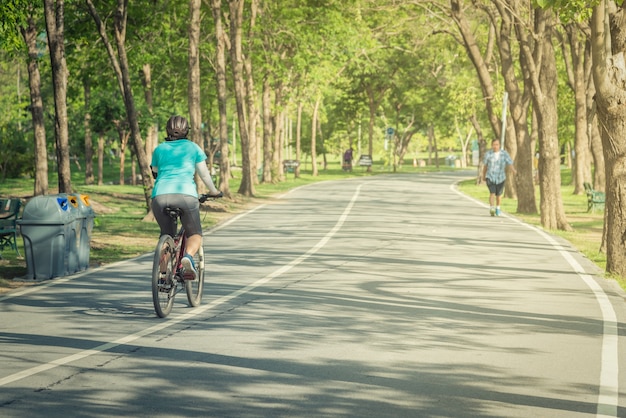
x=177 y=127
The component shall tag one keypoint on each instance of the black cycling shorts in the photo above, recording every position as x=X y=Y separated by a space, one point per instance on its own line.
x=190 y=217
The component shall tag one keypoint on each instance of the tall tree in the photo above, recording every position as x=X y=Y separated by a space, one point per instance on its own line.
x=609 y=74
x=220 y=79
x=519 y=91
x=193 y=87
x=54 y=13
x=246 y=187
x=89 y=178
x=578 y=72
x=538 y=53
x=122 y=70
x=29 y=32
x=195 y=109
x=519 y=98
x=251 y=94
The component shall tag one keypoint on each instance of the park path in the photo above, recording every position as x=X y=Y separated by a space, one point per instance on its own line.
x=385 y=296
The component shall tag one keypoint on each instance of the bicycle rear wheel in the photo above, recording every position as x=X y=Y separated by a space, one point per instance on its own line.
x=194 y=287
x=163 y=280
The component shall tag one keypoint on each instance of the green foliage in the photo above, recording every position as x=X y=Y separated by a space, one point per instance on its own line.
x=15 y=151
x=571 y=10
x=106 y=109
x=14 y=15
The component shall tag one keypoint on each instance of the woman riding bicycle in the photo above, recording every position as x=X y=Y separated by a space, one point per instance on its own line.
x=174 y=163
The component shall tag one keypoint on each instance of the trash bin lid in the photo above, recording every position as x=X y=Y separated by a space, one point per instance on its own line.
x=84 y=205
x=48 y=210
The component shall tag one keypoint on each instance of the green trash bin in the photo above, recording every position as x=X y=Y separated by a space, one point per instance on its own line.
x=48 y=228
x=86 y=217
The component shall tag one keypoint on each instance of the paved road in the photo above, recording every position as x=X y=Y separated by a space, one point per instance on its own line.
x=389 y=296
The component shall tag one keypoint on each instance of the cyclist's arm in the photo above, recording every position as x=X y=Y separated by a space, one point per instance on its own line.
x=203 y=173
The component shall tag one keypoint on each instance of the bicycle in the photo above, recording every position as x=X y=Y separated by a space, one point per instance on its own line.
x=168 y=275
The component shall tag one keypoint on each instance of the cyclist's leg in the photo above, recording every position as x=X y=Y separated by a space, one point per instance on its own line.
x=166 y=223
x=190 y=220
x=194 y=287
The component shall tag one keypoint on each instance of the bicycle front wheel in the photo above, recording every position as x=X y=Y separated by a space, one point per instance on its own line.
x=194 y=287
x=163 y=280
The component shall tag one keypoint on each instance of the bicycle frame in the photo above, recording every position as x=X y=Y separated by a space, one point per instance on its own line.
x=180 y=240
x=168 y=275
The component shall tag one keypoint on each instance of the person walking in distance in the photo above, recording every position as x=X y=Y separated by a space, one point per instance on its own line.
x=494 y=173
x=347 y=160
x=174 y=164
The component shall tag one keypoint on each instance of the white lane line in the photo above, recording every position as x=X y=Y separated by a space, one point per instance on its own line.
x=608 y=392
x=194 y=312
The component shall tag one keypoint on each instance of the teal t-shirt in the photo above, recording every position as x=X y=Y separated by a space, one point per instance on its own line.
x=176 y=165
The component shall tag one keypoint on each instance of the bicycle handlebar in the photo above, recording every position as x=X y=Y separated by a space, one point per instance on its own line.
x=204 y=197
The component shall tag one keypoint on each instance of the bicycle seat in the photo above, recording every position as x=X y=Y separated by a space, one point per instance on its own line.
x=173 y=212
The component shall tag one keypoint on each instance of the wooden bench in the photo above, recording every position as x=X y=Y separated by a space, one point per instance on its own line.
x=9 y=214
x=365 y=160
x=289 y=166
x=594 y=198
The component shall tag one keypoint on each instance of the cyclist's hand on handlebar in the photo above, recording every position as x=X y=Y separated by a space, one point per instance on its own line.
x=207 y=196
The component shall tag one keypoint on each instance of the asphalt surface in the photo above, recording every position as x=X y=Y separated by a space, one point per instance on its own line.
x=388 y=296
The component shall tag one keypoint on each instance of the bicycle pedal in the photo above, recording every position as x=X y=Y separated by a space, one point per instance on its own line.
x=189 y=276
x=164 y=286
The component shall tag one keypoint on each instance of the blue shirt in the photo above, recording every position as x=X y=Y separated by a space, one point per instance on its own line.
x=175 y=162
x=496 y=166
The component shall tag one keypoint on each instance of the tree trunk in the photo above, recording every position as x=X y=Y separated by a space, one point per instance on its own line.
x=482 y=147
x=152 y=139
x=277 y=134
x=432 y=141
x=29 y=34
x=298 y=136
x=123 y=135
x=220 y=75
x=100 y=158
x=519 y=92
x=267 y=130
x=246 y=187
x=482 y=70
x=577 y=80
x=316 y=107
x=193 y=84
x=510 y=144
x=121 y=68
x=129 y=101
x=609 y=75
x=89 y=179
x=251 y=96
x=195 y=111
x=54 y=11
x=545 y=105
x=595 y=139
